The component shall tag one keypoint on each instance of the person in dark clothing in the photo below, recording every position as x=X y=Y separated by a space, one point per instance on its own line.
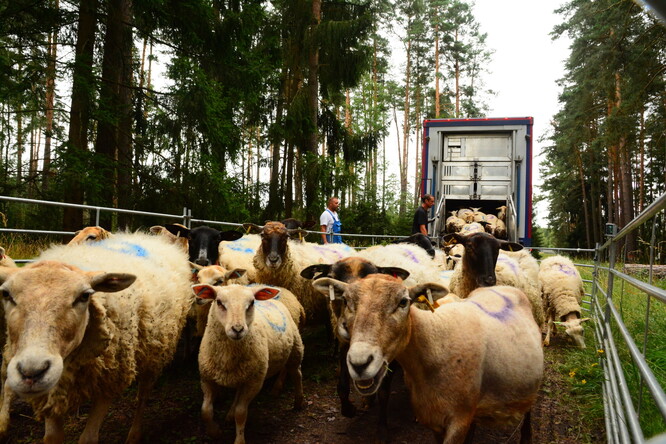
x=420 y=224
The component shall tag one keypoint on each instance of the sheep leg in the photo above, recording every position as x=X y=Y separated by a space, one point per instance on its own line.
x=297 y=379
x=457 y=432
x=346 y=407
x=54 y=430
x=95 y=418
x=526 y=429
x=549 y=328
x=279 y=382
x=246 y=394
x=7 y=396
x=383 y=396
x=145 y=386
x=230 y=413
x=209 y=390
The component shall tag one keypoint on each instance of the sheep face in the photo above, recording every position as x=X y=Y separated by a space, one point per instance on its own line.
x=203 y=242
x=574 y=329
x=234 y=306
x=376 y=320
x=274 y=238
x=480 y=258
x=350 y=269
x=46 y=306
x=89 y=234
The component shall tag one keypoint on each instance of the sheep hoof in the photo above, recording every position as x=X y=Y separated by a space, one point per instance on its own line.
x=213 y=430
x=348 y=410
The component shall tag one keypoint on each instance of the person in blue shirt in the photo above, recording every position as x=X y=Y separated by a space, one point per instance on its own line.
x=330 y=222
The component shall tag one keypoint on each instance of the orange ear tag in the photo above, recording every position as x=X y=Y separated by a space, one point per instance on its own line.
x=427 y=302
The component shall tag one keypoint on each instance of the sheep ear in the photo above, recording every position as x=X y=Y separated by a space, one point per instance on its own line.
x=230 y=235
x=395 y=272
x=326 y=286
x=510 y=246
x=234 y=274
x=6 y=273
x=265 y=293
x=437 y=291
x=178 y=230
x=202 y=291
x=156 y=229
x=253 y=228
x=111 y=282
x=309 y=272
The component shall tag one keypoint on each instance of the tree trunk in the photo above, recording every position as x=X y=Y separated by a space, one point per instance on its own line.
x=311 y=183
x=50 y=100
x=586 y=216
x=457 y=72
x=405 y=136
x=126 y=96
x=19 y=143
x=82 y=92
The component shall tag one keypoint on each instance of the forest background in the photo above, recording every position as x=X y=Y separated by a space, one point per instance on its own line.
x=269 y=107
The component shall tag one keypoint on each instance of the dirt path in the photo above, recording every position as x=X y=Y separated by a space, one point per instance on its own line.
x=173 y=414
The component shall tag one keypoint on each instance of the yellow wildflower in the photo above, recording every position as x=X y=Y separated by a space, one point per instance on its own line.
x=583 y=382
x=572 y=373
x=600 y=351
x=595 y=364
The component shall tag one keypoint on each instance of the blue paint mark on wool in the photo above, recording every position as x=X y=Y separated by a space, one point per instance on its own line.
x=124 y=248
x=273 y=315
x=501 y=315
x=240 y=248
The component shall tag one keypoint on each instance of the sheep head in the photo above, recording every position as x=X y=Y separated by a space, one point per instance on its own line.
x=89 y=234
x=234 y=306
x=350 y=269
x=47 y=308
x=480 y=258
x=574 y=328
x=376 y=320
x=203 y=242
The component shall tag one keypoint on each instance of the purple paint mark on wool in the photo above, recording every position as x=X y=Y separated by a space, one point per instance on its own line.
x=325 y=250
x=501 y=315
x=510 y=263
x=566 y=270
x=410 y=255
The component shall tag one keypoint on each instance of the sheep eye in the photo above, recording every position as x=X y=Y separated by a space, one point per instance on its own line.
x=220 y=304
x=249 y=307
x=403 y=302
x=84 y=297
x=7 y=297
x=218 y=282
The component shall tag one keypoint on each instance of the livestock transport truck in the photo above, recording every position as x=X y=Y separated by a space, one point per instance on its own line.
x=480 y=163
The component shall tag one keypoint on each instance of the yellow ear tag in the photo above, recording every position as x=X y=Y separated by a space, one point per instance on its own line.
x=331 y=293
x=247 y=230
x=427 y=302
x=300 y=236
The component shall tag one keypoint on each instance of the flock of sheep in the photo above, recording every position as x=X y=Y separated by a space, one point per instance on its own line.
x=87 y=319
x=472 y=220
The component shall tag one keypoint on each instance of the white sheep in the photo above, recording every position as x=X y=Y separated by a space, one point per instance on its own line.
x=454 y=377
x=471 y=228
x=479 y=216
x=466 y=214
x=279 y=262
x=453 y=223
x=502 y=213
x=249 y=337
x=218 y=276
x=6 y=261
x=240 y=254
x=563 y=291
x=499 y=230
x=80 y=334
x=483 y=266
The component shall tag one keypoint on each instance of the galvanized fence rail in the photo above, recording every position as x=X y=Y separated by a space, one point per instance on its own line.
x=622 y=407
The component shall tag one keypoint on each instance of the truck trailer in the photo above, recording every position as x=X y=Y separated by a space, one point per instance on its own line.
x=481 y=163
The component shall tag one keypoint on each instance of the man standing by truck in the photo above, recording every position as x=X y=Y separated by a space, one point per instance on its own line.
x=420 y=223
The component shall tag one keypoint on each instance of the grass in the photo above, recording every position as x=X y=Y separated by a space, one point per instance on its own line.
x=582 y=368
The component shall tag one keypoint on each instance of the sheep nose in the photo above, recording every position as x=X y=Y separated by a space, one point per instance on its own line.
x=35 y=372
x=202 y=261
x=490 y=280
x=359 y=368
x=238 y=329
x=273 y=258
